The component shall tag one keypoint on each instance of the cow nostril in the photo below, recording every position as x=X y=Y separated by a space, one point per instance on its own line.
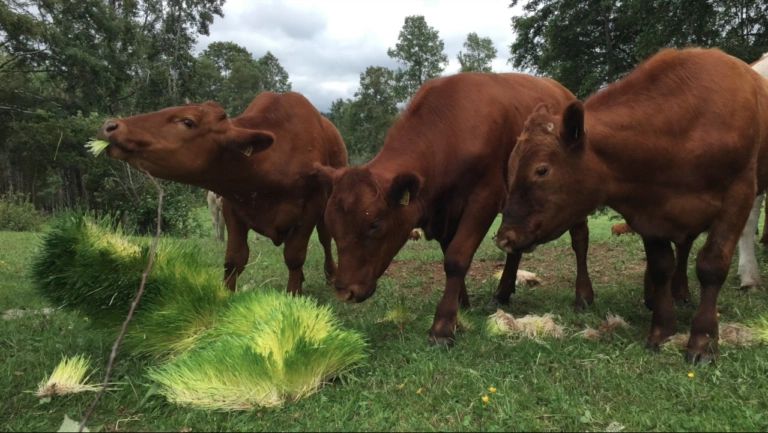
x=111 y=126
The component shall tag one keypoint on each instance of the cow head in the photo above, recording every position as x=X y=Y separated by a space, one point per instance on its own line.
x=179 y=143
x=370 y=216
x=550 y=185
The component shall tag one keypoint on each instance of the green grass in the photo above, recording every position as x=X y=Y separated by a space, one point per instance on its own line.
x=568 y=384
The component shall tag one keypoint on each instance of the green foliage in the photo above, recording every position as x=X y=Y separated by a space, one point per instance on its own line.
x=17 y=213
x=586 y=45
x=479 y=55
x=235 y=77
x=363 y=122
x=420 y=52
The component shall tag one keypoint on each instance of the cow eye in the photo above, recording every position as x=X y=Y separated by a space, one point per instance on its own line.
x=542 y=170
x=375 y=225
x=188 y=123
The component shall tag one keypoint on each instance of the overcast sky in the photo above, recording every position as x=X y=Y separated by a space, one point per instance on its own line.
x=325 y=44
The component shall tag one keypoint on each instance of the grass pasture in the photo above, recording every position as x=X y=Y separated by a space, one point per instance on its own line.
x=568 y=384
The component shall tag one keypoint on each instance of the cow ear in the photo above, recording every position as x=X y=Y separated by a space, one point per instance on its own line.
x=541 y=109
x=572 y=131
x=247 y=141
x=403 y=190
x=326 y=175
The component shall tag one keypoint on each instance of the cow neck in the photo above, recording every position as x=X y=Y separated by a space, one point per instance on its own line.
x=239 y=176
x=605 y=151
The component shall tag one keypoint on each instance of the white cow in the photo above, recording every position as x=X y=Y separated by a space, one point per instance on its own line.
x=749 y=271
x=217 y=216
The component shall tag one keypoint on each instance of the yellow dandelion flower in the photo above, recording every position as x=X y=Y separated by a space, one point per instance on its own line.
x=691 y=375
x=485 y=399
x=418 y=391
x=491 y=390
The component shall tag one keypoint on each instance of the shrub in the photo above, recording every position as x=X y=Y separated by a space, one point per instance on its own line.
x=18 y=214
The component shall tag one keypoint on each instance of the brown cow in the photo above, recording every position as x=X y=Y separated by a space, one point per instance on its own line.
x=673 y=150
x=621 y=229
x=260 y=162
x=442 y=169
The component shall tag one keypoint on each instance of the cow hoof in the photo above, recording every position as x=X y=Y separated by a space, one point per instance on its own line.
x=648 y=304
x=749 y=288
x=495 y=304
x=684 y=304
x=581 y=306
x=699 y=359
x=434 y=340
x=653 y=347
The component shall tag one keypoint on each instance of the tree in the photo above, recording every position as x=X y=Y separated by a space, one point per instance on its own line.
x=67 y=65
x=224 y=55
x=363 y=121
x=375 y=108
x=588 y=44
x=479 y=55
x=238 y=76
x=275 y=77
x=420 y=52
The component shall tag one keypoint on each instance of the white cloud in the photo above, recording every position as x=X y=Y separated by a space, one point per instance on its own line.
x=325 y=44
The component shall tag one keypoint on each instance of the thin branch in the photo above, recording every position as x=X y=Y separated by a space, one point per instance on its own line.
x=144 y=276
x=13 y=71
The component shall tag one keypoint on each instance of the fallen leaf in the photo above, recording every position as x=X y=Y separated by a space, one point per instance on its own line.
x=71 y=426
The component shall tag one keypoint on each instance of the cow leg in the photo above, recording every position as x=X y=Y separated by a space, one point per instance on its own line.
x=325 y=240
x=680 y=292
x=749 y=271
x=295 y=253
x=712 y=265
x=507 y=283
x=237 y=247
x=661 y=267
x=580 y=244
x=474 y=224
x=764 y=238
x=463 y=295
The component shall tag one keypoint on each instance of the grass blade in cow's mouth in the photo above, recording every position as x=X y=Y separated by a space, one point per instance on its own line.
x=96 y=147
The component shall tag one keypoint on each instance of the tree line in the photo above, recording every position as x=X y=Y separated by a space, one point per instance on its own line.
x=65 y=66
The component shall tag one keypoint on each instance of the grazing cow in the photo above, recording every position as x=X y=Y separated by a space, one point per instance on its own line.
x=261 y=163
x=671 y=149
x=415 y=235
x=442 y=168
x=621 y=229
x=217 y=214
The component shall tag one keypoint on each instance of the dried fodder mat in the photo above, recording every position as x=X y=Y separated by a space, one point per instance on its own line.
x=209 y=348
x=69 y=377
x=16 y=313
x=611 y=322
x=530 y=326
x=731 y=334
x=523 y=277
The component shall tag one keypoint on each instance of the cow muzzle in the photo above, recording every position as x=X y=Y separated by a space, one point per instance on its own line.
x=509 y=241
x=353 y=293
